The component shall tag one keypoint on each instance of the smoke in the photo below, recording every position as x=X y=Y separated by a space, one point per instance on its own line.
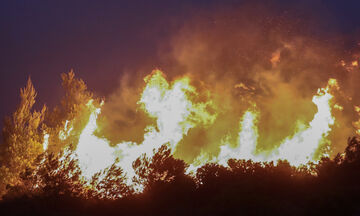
x=239 y=58
x=122 y=119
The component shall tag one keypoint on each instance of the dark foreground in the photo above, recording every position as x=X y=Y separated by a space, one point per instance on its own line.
x=331 y=187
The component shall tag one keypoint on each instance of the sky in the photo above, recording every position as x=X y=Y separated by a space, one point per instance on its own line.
x=101 y=40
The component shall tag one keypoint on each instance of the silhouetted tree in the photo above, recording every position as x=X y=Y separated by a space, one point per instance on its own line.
x=352 y=151
x=162 y=174
x=326 y=168
x=54 y=176
x=211 y=174
x=110 y=184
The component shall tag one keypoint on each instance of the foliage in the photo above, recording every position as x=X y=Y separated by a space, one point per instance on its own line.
x=53 y=176
x=162 y=168
x=60 y=175
x=352 y=151
x=210 y=174
x=73 y=106
x=75 y=98
x=22 y=138
x=330 y=187
x=28 y=172
x=110 y=184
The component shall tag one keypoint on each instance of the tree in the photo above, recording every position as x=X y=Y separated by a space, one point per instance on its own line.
x=23 y=138
x=53 y=176
x=73 y=108
x=210 y=174
x=110 y=184
x=352 y=151
x=161 y=172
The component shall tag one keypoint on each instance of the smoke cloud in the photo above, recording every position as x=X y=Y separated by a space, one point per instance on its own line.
x=240 y=58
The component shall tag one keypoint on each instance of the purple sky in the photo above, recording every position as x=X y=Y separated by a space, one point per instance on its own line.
x=101 y=39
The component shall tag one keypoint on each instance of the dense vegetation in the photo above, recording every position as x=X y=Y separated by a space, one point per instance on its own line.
x=241 y=188
x=50 y=183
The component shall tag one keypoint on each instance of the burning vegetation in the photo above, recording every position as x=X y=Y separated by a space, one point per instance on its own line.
x=252 y=120
x=61 y=153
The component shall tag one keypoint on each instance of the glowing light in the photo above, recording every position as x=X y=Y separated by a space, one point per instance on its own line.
x=356 y=124
x=173 y=107
x=175 y=114
x=46 y=141
x=94 y=153
x=297 y=149
x=247 y=140
x=64 y=134
x=302 y=146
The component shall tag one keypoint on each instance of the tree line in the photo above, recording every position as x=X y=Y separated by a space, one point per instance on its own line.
x=50 y=182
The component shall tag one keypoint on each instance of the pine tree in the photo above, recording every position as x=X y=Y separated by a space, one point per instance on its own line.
x=72 y=108
x=23 y=139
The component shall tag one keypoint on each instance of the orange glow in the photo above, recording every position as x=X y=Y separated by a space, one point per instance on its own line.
x=174 y=107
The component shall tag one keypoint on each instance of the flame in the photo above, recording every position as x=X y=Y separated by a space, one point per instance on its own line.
x=354 y=63
x=65 y=133
x=301 y=148
x=356 y=124
x=172 y=108
x=168 y=103
x=46 y=141
x=175 y=114
x=275 y=58
x=176 y=110
x=94 y=153
x=247 y=140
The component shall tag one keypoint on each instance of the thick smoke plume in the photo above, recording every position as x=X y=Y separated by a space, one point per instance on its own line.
x=238 y=59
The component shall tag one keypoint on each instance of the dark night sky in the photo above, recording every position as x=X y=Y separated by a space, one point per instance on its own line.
x=101 y=39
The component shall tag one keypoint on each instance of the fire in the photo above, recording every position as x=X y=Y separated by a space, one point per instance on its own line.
x=252 y=93
x=298 y=149
x=302 y=147
x=168 y=103
x=172 y=108
x=354 y=63
x=247 y=140
x=94 y=153
x=63 y=134
x=46 y=141
x=356 y=124
x=175 y=114
x=176 y=110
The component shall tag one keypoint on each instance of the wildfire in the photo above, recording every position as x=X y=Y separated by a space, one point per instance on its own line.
x=94 y=153
x=247 y=140
x=303 y=146
x=175 y=110
x=243 y=112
